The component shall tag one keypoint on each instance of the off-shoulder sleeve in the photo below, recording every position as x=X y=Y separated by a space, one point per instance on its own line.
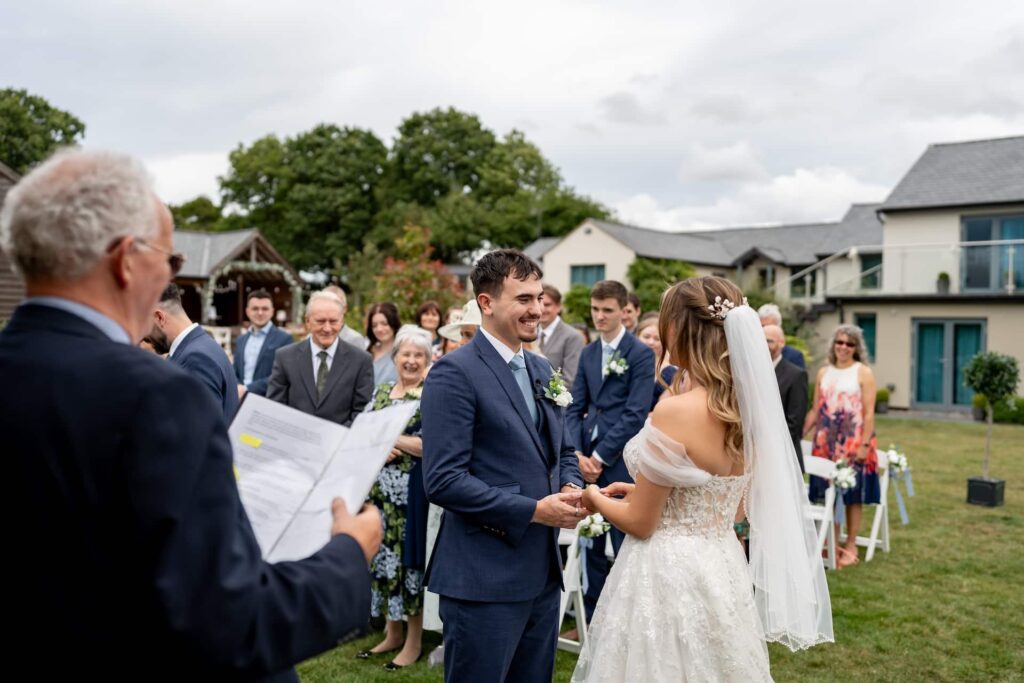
x=664 y=462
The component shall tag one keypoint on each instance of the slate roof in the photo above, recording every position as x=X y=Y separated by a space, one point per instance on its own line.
x=204 y=251
x=962 y=174
x=801 y=244
x=539 y=247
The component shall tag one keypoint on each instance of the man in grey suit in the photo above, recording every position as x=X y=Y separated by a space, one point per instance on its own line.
x=322 y=375
x=559 y=343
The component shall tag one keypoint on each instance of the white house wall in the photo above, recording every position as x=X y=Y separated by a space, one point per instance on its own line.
x=587 y=245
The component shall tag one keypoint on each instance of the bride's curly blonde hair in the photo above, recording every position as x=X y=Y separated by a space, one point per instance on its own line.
x=695 y=339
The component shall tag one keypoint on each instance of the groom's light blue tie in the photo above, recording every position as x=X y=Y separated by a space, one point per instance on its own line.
x=523 y=380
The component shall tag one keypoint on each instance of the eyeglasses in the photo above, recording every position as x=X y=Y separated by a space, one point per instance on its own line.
x=849 y=345
x=174 y=259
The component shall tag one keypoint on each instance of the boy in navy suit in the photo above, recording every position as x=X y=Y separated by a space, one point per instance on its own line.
x=611 y=399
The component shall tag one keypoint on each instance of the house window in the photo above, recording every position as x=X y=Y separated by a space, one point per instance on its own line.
x=586 y=275
x=870 y=271
x=765 y=277
x=867 y=322
x=798 y=287
x=988 y=267
x=942 y=348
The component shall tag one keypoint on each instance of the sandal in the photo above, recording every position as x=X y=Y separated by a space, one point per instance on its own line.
x=844 y=559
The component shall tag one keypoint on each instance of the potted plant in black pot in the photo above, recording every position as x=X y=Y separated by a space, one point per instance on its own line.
x=994 y=375
x=978 y=404
x=882 y=401
x=942 y=283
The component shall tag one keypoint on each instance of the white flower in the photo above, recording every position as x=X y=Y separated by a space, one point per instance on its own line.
x=597 y=517
x=563 y=400
x=596 y=529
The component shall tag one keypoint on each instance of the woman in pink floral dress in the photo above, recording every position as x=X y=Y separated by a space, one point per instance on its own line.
x=843 y=419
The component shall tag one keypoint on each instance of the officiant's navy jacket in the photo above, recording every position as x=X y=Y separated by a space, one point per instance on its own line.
x=487 y=463
x=133 y=558
x=618 y=405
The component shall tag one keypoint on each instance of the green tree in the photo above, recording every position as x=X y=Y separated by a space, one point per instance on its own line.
x=576 y=304
x=31 y=129
x=198 y=214
x=314 y=195
x=651 y=277
x=437 y=152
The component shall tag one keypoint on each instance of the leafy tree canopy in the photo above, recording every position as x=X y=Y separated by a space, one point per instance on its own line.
x=31 y=129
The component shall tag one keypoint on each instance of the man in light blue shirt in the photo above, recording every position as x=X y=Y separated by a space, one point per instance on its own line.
x=254 y=350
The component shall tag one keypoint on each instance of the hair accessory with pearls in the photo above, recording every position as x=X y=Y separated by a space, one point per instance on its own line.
x=721 y=307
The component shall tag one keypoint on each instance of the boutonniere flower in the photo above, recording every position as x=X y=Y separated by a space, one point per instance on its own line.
x=556 y=391
x=616 y=365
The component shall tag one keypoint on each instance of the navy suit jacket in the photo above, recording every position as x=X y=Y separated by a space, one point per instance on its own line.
x=135 y=559
x=487 y=464
x=794 y=356
x=206 y=360
x=276 y=338
x=617 y=404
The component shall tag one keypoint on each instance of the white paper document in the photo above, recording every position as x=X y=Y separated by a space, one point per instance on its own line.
x=291 y=465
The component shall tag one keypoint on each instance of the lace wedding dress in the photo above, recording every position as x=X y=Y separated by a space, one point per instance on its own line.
x=678 y=606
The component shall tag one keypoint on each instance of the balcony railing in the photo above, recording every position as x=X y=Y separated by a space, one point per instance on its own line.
x=959 y=268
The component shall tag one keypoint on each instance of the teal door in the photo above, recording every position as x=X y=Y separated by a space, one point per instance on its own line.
x=942 y=349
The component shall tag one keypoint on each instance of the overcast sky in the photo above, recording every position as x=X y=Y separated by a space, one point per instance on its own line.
x=675 y=114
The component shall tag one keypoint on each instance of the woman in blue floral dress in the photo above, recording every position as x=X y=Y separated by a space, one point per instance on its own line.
x=397 y=569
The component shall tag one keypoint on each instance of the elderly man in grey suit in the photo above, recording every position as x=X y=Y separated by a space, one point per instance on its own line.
x=322 y=375
x=559 y=343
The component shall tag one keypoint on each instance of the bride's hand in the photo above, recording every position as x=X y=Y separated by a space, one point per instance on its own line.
x=619 y=488
x=591 y=494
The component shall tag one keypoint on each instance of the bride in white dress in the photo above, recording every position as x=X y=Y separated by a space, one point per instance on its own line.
x=681 y=602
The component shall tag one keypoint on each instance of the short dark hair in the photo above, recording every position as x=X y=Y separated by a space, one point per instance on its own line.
x=426 y=307
x=390 y=313
x=551 y=292
x=633 y=299
x=259 y=294
x=610 y=289
x=170 y=299
x=489 y=273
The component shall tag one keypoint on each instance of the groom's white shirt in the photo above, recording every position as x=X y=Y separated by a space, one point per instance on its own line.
x=505 y=352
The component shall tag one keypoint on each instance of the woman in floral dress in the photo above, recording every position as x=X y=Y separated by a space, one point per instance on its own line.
x=397 y=569
x=843 y=419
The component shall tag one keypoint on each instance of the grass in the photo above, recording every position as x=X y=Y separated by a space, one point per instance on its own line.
x=945 y=605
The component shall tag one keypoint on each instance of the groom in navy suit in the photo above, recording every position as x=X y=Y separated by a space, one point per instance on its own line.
x=611 y=399
x=496 y=458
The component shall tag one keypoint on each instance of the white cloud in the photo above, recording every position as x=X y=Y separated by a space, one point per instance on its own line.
x=804 y=196
x=730 y=162
x=184 y=176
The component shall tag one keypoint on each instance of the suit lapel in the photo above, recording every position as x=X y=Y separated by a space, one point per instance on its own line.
x=592 y=366
x=265 y=349
x=539 y=377
x=489 y=355
x=625 y=344
x=306 y=367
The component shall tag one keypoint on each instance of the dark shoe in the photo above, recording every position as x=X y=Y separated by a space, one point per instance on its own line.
x=391 y=666
x=366 y=654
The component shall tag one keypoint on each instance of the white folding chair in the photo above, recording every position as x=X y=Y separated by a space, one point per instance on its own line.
x=572 y=592
x=879 y=537
x=823 y=516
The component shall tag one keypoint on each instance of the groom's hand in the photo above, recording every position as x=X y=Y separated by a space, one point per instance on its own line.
x=559 y=510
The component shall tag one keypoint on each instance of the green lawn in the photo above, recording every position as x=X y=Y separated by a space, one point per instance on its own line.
x=947 y=604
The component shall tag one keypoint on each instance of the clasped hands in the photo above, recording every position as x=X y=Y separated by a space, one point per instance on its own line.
x=590 y=467
x=563 y=509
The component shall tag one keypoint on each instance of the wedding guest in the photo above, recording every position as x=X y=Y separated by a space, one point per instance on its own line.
x=631 y=313
x=843 y=419
x=465 y=325
x=347 y=334
x=452 y=310
x=558 y=342
x=770 y=314
x=382 y=325
x=428 y=317
x=254 y=350
x=647 y=333
x=397 y=569
x=792 y=387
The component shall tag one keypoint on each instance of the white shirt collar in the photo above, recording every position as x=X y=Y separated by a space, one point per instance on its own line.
x=550 y=329
x=614 y=343
x=330 y=349
x=180 y=338
x=504 y=351
x=776 y=361
x=262 y=330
